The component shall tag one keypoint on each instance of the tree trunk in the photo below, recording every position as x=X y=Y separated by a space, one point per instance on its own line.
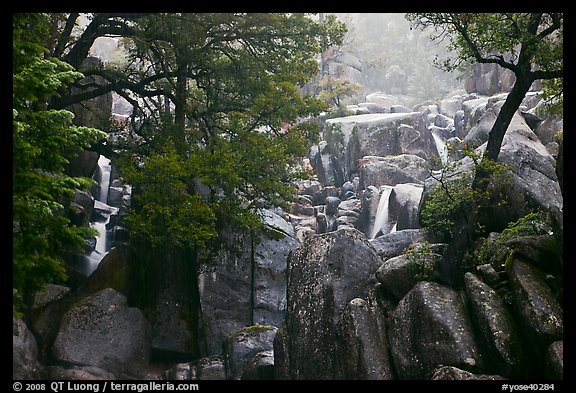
x=180 y=112
x=523 y=82
x=511 y=105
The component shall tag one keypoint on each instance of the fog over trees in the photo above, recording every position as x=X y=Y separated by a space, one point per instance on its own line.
x=397 y=59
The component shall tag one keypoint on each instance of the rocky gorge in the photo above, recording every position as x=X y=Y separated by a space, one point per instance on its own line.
x=347 y=283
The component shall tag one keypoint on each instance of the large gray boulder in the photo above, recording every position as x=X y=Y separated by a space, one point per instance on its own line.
x=430 y=328
x=392 y=170
x=83 y=164
x=540 y=315
x=326 y=165
x=404 y=205
x=25 y=364
x=94 y=112
x=171 y=332
x=324 y=274
x=555 y=360
x=381 y=134
x=488 y=79
x=49 y=305
x=534 y=183
x=365 y=343
x=270 y=260
x=450 y=373
x=225 y=286
x=496 y=327
x=244 y=349
x=478 y=134
x=76 y=373
x=245 y=283
x=208 y=368
x=81 y=207
x=399 y=274
x=102 y=331
x=395 y=243
x=369 y=201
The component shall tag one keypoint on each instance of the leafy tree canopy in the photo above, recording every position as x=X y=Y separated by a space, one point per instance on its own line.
x=43 y=141
x=219 y=117
x=528 y=44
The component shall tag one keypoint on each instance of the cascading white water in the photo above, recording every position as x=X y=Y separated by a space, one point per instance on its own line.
x=101 y=247
x=106 y=169
x=440 y=146
x=381 y=220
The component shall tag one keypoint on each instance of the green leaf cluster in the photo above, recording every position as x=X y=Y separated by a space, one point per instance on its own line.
x=422 y=257
x=43 y=142
x=453 y=198
x=494 y=251
x=236 y=78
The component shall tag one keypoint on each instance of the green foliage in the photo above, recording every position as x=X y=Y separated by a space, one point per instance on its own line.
x=531 y=224
x=491 y=250
x=333 y=91
x=518 y=41
x=334 y=137
x=553 y=93
x=422 y=254
x=168 y=215
x=43 y=142
x=237 y=150
x=453 y=197
x=494 y=250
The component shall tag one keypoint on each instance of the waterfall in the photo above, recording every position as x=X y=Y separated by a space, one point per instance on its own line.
x=105 y=170
x=381 y=220
x=440 y=146
x=100 y=204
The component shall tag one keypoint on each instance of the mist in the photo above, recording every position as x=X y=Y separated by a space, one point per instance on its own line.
x=382 y=53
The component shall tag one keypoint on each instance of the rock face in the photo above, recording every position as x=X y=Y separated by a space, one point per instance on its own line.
x=365 y=343
x=102 y=331
x=404 y=168
x=225 y=293
x=539 y=313
x=380 y=134
x=324 y=274
x=25 y=363
x=497 y=329
x=248 y=353
x=246 y=287
x=430 y=328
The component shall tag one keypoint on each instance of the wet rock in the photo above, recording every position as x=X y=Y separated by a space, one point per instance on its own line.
x=365 y=343
x=25 y=364
x=324 y=274
x=241 y=347
x=430 y=328
x=449 y=373
x=102 y=331
x=497 y=329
